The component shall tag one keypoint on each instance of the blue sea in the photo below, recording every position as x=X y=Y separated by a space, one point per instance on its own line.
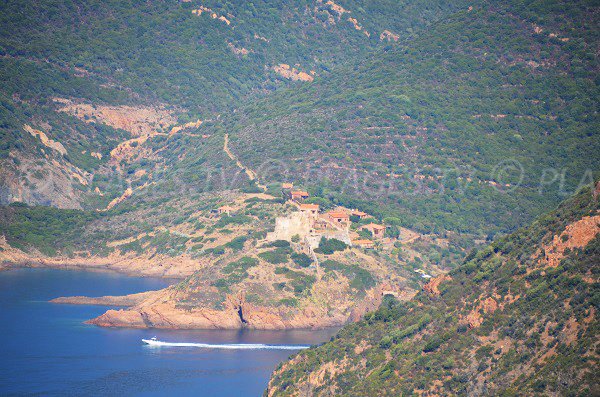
x=46 y=350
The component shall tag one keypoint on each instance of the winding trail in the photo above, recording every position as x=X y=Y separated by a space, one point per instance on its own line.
x=251 y=174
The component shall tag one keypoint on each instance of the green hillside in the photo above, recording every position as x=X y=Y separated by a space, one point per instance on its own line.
x=195 y=59
x=516 y=318
x=478 y=118
x=154 y=137
x=463 y=128
x=163 y=51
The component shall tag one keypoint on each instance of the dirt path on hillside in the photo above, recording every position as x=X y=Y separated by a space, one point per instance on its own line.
x=251 y=174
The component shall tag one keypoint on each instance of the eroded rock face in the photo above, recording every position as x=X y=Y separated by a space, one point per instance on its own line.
x=576 y=235
x=167 y=316
x=236 y=314
x=389 y=36
x=44 y=176
x=48 y=182
x=50 y=143
x=291 y=73
x=432 y=287
x=475 y=318
x=138 y=120
x=159 y=310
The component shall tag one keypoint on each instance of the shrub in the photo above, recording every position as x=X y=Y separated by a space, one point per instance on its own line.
x=280 y=243
x=237 y=243
x=302 y=259
x=236 y=271
x=299 y=281
x=360 y=279
x=392 y=231
x=275 y=257
x=329 y=246
x=290 y=302
x=432 y=344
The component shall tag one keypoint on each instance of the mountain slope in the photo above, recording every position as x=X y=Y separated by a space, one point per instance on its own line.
x=205 y=53
x=177 y=62
x=483 y=121
x=519 y=317
x=478 y=118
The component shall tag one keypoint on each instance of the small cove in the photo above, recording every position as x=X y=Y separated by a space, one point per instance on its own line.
x=45 y=348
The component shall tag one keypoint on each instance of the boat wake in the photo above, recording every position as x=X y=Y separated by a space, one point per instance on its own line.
x=232 y=346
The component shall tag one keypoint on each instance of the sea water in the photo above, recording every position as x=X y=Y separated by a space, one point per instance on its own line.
x=45 y=349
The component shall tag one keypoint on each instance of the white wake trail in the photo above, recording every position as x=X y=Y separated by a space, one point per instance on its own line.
x=232 y=346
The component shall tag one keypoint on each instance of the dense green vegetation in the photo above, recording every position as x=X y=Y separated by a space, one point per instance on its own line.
x=301 y=259
x=504 y=323
x=276 y=256
x=164 y=52
x=428 y=129
x=44 y=228
x=479 y=124
x=159 y=54
x=328 y=246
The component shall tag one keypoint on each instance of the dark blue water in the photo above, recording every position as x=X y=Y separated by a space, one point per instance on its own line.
x=45 y=349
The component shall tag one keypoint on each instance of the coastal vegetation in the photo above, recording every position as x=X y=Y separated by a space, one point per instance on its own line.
x=517 y=317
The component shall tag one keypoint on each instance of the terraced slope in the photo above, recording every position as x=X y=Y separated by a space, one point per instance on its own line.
x=483 y=121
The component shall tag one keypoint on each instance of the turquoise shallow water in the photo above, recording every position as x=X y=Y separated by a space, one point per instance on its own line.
x=46 y=350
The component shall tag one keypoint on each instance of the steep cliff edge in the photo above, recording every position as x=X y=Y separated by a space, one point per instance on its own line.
x=162 y=310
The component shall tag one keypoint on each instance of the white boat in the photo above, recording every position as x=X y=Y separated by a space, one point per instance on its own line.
x=232 y=346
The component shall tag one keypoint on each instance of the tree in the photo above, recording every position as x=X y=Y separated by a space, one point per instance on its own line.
x=329 y=246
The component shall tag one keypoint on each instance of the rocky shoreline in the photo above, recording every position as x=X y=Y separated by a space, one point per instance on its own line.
x=328 y=304
x=122 y=301
x=158 y=310
x=130 y=265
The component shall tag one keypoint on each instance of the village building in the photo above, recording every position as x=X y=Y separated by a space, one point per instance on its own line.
x=287 y=186
x=225 y=210
x=378 y=231
x=359 y=214
x=310 y=226
x=338 y=217
x=299 y=195
x=312 y=209
x=367 y=244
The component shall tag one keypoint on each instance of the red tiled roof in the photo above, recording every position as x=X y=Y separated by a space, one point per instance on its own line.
x=338 y=214
x=374 y=226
